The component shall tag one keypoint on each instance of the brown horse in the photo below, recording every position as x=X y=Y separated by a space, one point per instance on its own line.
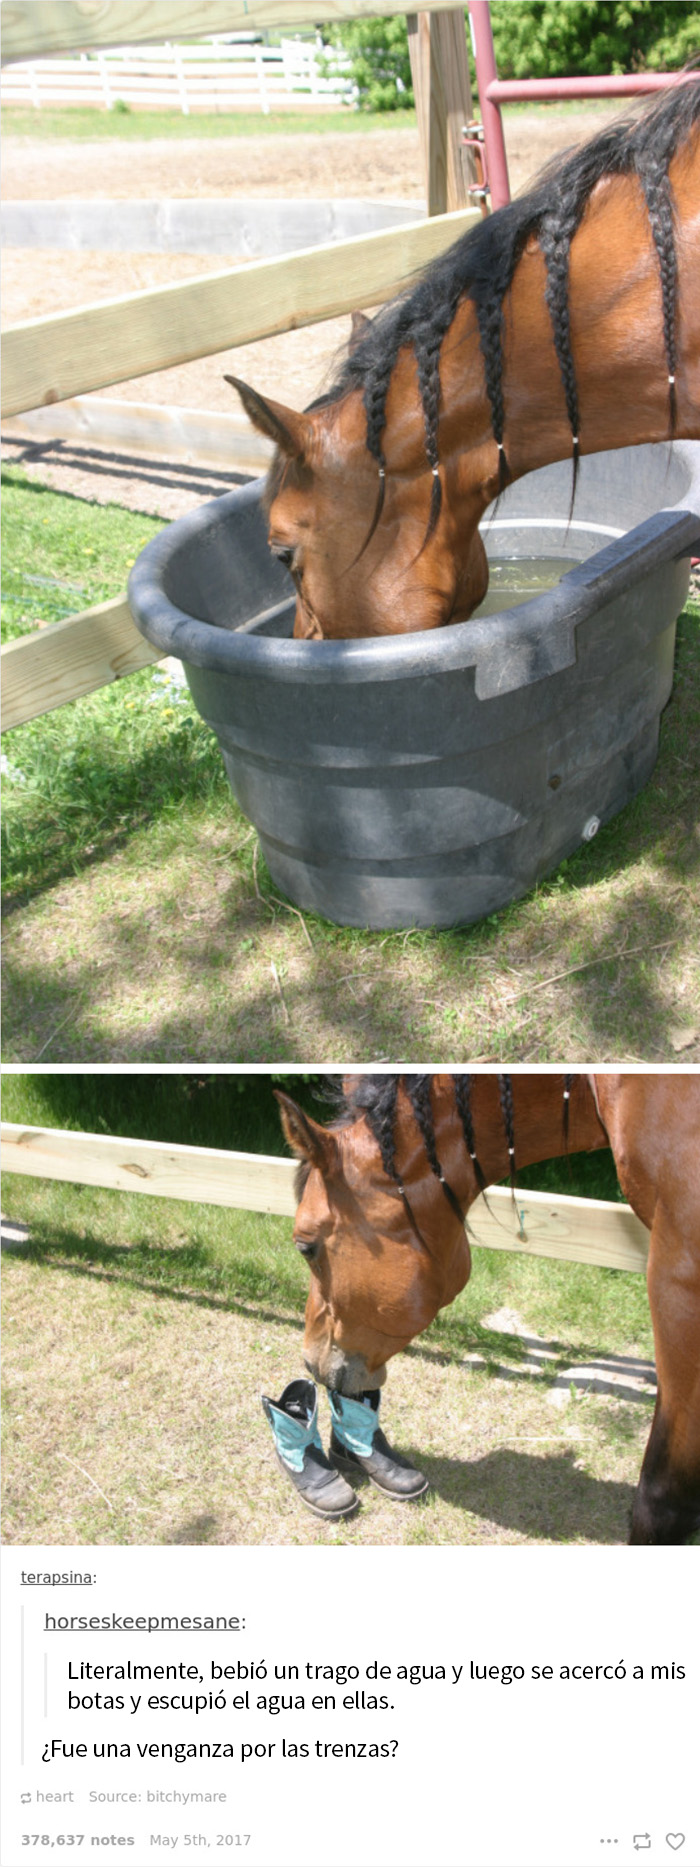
x=565 y=324
x=384 y=1191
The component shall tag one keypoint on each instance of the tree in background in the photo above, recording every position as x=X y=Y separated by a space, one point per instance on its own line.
x=585 y=38
x=532 y=39
x=380 y=67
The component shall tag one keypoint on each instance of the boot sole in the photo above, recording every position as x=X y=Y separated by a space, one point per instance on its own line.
x=328 y=1516
x=397 y=1497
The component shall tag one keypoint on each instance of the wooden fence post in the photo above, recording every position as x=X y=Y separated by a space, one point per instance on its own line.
x=437 y=45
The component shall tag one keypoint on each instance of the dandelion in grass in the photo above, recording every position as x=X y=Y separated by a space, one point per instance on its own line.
x=11 y=772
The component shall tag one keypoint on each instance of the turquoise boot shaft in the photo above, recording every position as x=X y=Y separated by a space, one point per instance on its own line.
x=355 y=1422
x=358 y=1445
x=294 y=1422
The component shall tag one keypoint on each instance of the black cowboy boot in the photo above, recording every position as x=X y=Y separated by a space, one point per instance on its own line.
x=358 y=1444
x=294 y=1422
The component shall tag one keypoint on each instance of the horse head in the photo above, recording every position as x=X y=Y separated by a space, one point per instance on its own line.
x=374 y=547
x=383 y=1193
x=384 y=1256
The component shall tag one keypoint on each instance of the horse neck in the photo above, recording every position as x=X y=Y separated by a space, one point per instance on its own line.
x=617 y=344
x=538 y=1127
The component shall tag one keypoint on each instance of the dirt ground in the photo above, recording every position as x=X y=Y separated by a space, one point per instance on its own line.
x=381 y=164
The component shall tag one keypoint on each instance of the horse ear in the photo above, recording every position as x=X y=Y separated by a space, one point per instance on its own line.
x=307 y=1139
x=359 y=326
x=289 y=431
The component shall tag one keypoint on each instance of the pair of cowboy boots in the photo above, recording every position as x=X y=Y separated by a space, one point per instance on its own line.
x=357 y=1445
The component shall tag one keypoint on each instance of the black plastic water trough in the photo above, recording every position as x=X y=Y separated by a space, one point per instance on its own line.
x=429 y=779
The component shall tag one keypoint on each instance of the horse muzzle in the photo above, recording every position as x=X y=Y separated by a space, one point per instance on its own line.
x=345 y=1374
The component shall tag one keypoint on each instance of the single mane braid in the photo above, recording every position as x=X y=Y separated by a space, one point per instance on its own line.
x=418 y=1091
x=463 y=1087
x=660 y=208
x=375 y=1098
x=481 y=267
x=505 y=1091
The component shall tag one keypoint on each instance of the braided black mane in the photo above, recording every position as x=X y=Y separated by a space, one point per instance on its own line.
x=481 y=265
x=374 y=1098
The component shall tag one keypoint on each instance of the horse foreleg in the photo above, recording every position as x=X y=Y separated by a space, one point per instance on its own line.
x=666 y=1506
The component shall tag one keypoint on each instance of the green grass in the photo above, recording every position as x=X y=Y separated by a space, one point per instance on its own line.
x=89 y=125
x=85 y=779
x=89 y=773
x=144 y=924
x=232 y=1110
x=62 y=554
x=138 y=1333
x=127 y=125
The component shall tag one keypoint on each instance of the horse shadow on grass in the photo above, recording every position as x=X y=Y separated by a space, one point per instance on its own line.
x=542 y=1499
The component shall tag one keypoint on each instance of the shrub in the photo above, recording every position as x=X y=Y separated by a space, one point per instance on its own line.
x=532 y=39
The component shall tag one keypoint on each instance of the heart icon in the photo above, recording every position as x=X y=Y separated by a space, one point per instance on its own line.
x=675 y=1841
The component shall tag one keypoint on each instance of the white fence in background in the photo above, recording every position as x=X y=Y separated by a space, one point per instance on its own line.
x=212 y=76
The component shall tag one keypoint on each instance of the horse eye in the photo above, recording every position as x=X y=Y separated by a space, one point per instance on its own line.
x=284 y=554
x=307 y=1246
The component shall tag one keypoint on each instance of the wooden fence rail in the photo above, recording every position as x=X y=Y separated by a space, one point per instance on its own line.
x=69 y=352
x=69 y=659
x=156 y=430
x=582 y=1231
